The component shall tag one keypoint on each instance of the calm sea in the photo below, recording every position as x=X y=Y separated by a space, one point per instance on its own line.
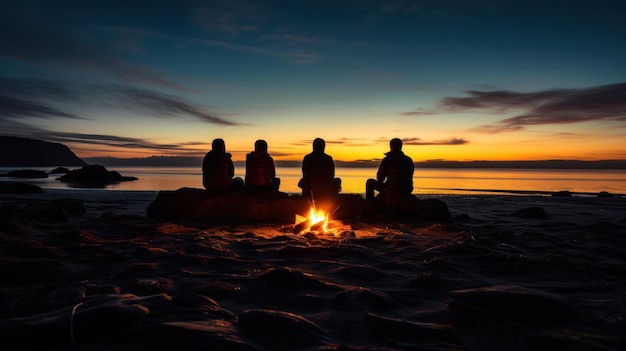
x=426 y=181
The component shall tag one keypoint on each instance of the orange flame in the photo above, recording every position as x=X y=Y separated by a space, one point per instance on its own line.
x=317 y=222
x=318 y=218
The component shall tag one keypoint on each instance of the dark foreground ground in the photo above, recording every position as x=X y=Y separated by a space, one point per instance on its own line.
x=488 y=280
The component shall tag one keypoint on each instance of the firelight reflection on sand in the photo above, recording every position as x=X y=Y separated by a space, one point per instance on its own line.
x=320 y=223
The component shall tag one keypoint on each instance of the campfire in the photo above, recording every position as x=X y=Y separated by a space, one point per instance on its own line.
x=318 y=222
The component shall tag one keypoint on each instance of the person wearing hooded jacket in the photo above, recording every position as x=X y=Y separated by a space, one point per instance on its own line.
x=318 y=173
x=395 y=173
x=260 y=170
x=218 y=169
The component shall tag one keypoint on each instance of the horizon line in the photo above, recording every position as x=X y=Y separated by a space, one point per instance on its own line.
x=188 y=161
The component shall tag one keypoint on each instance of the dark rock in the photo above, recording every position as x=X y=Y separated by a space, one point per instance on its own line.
x=605 y=194
x=19 y=188
x=530 y=213
x=59 y=170
x=562 y=193
x=27 y=173
x=432 y=209
x=195 y=204
x=239 y=206
x=35 y=153
x=94 y=175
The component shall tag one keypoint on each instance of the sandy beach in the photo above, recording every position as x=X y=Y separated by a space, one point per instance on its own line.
x=506 y=273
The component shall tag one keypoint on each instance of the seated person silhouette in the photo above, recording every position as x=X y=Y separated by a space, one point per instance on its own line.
x=318 y=173
x=218 y=169
x=260 y=170
x=395 y=173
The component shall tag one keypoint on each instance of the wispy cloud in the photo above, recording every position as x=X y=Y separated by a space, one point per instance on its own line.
x=350 y=142
x=559 y=106
x=418 y=112
x=35 y=98
x=418 y=9
x=230 y=18
x=242 y=26
x=51 y=48
x=111 y=140
x=420 y=142
x=157 y=103
x=14 y=108
x=340 y=141
x=294 y=55
x=123 y=143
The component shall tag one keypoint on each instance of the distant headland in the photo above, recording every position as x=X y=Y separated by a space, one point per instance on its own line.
x=23 y=152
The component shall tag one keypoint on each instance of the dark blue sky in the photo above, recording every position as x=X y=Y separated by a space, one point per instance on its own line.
x=456 y=80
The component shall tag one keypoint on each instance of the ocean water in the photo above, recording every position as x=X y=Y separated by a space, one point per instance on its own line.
x=426 y=181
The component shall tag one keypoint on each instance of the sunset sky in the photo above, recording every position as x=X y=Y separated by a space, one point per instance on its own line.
x=456 y=80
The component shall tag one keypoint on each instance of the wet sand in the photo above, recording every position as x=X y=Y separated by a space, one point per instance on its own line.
x=507 y=273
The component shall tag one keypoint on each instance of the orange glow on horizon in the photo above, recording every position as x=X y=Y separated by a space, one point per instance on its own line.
x=490 y=148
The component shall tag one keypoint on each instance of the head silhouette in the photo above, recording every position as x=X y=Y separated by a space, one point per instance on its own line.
x=260 y=145
x=319 y=144
x=218 y=145
x=395 y=144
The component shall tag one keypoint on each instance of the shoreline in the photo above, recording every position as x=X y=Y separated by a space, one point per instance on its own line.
x=135 y=202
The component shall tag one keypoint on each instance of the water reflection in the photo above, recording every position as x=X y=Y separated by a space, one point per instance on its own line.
x=426 y=181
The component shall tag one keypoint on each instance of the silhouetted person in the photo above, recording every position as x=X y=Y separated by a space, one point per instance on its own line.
x=260 y=170
x=395 y=173
x=218 y=169
x=318 y=173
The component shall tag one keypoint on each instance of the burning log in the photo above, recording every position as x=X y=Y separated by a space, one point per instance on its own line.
x=317 y=226
x=300 y=227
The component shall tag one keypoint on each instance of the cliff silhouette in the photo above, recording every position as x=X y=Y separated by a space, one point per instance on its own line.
x=23 y=152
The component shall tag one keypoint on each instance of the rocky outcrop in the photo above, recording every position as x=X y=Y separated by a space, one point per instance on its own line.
x=241 y=206
x=433 y=209
x=93 y=175
x=59 y=170
x=27 y=173
x=35 y=153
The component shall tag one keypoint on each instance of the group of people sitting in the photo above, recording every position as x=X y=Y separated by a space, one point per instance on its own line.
x=394 y=176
